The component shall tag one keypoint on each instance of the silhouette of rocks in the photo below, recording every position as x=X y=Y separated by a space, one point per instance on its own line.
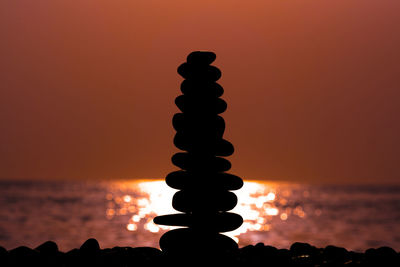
x=300 y=254
x=204 y=196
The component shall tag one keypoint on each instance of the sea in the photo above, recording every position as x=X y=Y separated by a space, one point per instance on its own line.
x=121 y=212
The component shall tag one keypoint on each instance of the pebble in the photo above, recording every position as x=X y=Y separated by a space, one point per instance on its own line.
x=336 y=254
x=187 y=161
x=201 y=57
x=201 y=88
x=48 y=248
x=219 y=222
x=196 y=127
x=191 y=200
x=383 y=256
x=186 y=180
x=215 y=147
x=186 y=241
x=195 y=105
x=300 y=249
x=90 y=246
x=199 y=72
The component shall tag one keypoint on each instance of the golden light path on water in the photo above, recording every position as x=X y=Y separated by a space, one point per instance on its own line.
x=258 y=203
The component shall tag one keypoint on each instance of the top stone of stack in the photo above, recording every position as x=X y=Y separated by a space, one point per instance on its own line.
x=201 y=58
x=198 y=68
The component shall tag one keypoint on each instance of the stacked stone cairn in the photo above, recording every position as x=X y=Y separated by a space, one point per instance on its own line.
x=204 y=197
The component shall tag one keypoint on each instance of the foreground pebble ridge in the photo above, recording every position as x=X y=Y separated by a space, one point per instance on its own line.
x=299 y=254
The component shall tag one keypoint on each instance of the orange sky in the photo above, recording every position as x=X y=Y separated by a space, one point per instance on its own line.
x=87 y=87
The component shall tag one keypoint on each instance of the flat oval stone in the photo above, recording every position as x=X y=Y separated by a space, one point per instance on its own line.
x=195 y=145
x=219 y=222
x=187 y=161
x=191 y=200
x=196 y=88
x=201 y=57
x=181 y=219
x=199 y=127
x=196 y=105
x=224 y=148
x=188 y=180
x=186 y=241
x=199 y=72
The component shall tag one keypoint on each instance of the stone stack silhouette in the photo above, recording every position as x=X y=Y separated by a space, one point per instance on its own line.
x=204 y=197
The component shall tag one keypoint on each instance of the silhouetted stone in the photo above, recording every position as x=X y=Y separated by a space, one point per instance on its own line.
x=192 y=105
x=90 y=246
x=187 y=241
x=192 y=200
x=201 y=88
x=387 y=252
x=190 y=162
x=186 y=180
x=336 y=254
x=383 y=256
x=215 y=147
x=204 y=195
x=48 y=248
x=221 y=222
x=299 y=249
x=201 y=58
x=199 y=72
x=196 y=128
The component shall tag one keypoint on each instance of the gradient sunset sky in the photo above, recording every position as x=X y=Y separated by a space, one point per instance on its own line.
x=87 y=87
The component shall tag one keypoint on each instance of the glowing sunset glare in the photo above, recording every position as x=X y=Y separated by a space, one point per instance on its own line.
x=258 y=203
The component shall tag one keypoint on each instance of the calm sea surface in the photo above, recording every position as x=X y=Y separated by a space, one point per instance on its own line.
x=120 y=213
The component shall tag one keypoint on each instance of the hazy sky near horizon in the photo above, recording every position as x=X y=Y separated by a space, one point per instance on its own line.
x=87 y=87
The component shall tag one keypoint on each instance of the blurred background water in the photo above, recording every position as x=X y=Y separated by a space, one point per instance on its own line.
x=120 y=213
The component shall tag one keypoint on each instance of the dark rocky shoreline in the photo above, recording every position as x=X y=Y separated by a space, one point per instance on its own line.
x=299 y=254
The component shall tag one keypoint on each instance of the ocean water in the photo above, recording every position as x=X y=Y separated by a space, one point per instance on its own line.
x=120 y=213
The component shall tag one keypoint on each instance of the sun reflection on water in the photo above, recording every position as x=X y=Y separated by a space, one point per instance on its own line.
x=258 y=204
